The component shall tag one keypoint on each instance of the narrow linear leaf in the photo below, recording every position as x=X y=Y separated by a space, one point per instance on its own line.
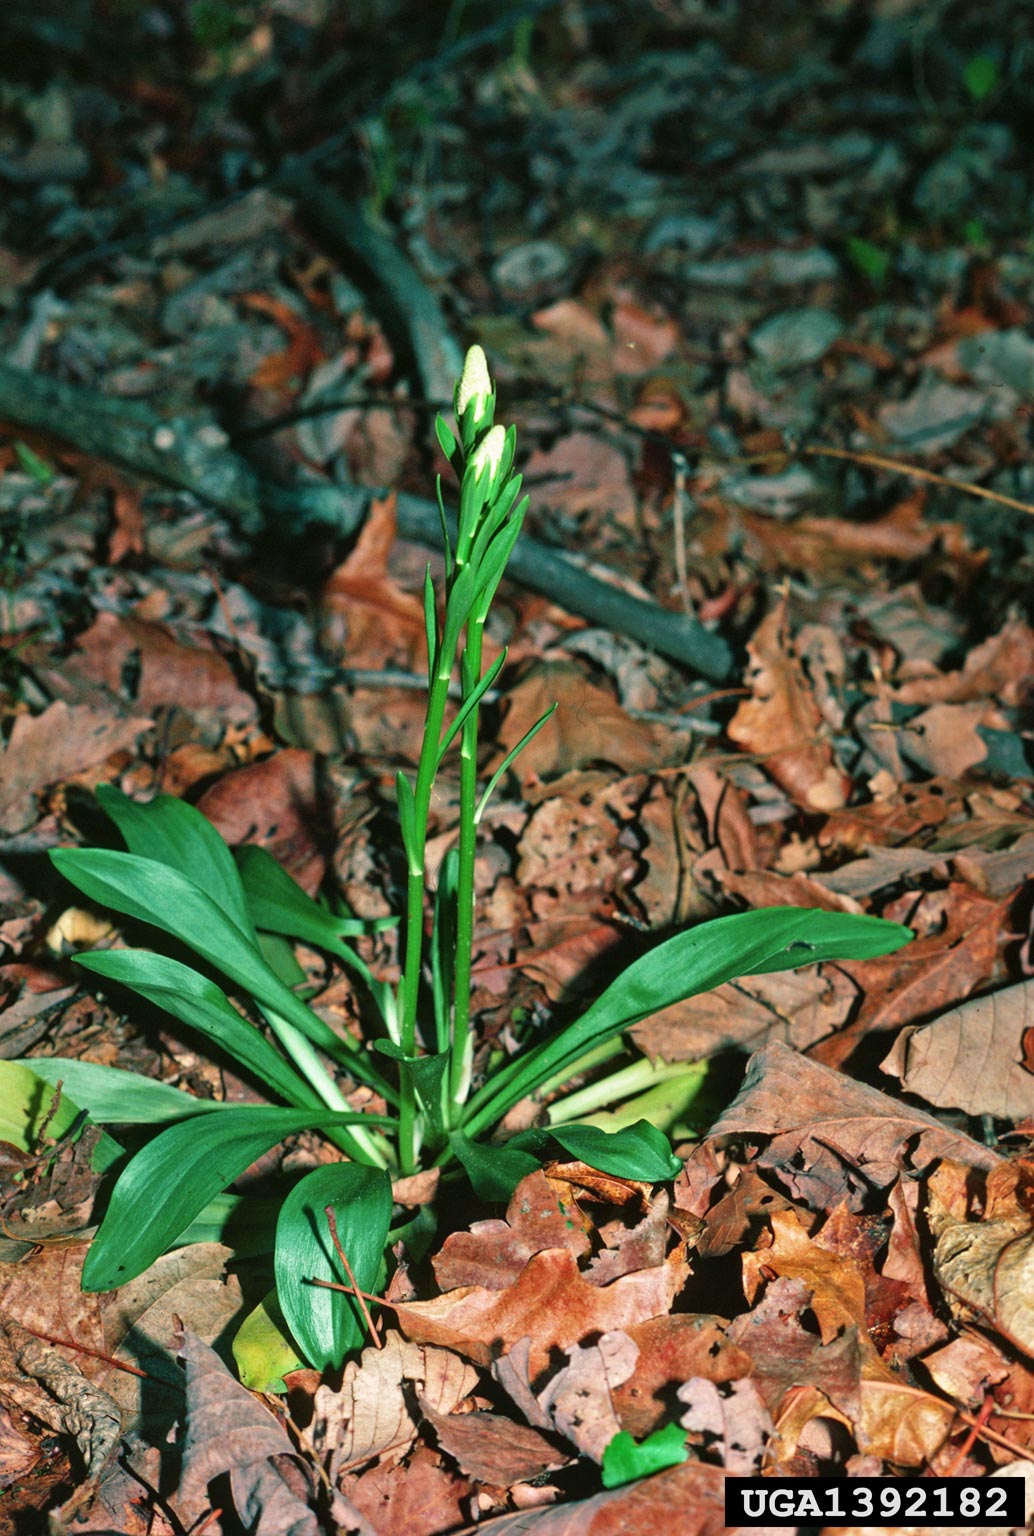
x=325 y=1323
x=470 y=703
x=201 y=1005
x=746 y=944
x=113 y=1096
x=510 y=757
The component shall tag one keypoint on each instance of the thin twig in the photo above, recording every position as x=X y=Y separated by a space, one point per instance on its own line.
x=328 y=1211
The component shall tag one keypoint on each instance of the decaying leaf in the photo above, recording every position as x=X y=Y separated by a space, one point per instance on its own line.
x=971 y=1058
x=371 y=1415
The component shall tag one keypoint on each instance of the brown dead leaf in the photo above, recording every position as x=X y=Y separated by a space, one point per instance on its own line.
x=781 y=722
x=165 y=672
x=834 y=1138
x=585 y=483
x=674 y=1349
x=797 y=1007
x=1002 y=667
x=683 y=1501
x=972 y=1057
x=589 y=726
x=766 y=888
x=945 y=739
x=493 y=1253
x=550 y=1302
x=986 y=1270
x=229 y=1431
x=53 y=746
x=423 y=1501
x=276 y=804
x=368 y=616
x=578 y=1399
x=493 y=1449
x=371 y=1414
x=733 y=1418
x=957 y=953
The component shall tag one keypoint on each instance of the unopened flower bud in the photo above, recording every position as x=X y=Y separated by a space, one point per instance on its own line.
x=475 y=386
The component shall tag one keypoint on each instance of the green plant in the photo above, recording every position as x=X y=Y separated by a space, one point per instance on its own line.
x=234 y=913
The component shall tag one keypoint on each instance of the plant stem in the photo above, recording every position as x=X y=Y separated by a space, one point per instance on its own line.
x=634 y=1078
x=461 y=1044
x=409 y=989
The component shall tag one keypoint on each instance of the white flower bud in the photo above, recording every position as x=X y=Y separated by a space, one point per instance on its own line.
x=488 y=457
x=475 y=386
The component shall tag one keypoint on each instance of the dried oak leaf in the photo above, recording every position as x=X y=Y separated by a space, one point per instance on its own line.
x=833 y=1138
x=674 y=1349
x=48 y=748
x=985 y=1268
x=275 y=803
x=370 y=1414
x=229 y=1431
x=421 y=1499
x=782 y=723
x=972 y=1057
x=550 y=1302
x=169 y=673
x=493 y=1253
x=732 y=1419
x=367 y=613
x=688 y=1500
x=491 y=1448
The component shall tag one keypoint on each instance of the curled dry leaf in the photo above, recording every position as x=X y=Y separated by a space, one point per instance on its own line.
x=491 y=1448
x=370 y=1415
x=782 y=723
x=827 y=1129
x=578 y=1398
x=734 y=1418
x=972 y=1057
x=229 y=1431
x=986 y=1270
x=55 y=745
x=82 y=1409
x=550 y=1302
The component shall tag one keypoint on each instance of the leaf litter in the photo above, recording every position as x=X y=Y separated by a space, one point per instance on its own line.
x=839 y=1279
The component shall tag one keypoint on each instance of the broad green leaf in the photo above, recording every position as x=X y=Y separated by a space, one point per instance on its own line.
x=746 y=944
x=263 y=1349
x=625 y=1462
x=176 y=834
x=26 y=1097
x=278 y=903
x=157 y=894
x=245 y=1223
x=327 y=1324
x=203 y=1006
x=167 y=1184
x=639 y=1151
x=113 y=1096
x=494 y=1172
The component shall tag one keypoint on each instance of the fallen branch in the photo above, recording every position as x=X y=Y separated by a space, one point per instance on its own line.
x=194 y=455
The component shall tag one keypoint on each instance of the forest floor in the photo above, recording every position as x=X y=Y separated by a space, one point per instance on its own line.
x=757 y=296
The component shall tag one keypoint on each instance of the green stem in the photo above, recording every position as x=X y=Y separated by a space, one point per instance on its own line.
x=409 y=989
x=361 y=1144
x=635 y=1078
x=462 y=1043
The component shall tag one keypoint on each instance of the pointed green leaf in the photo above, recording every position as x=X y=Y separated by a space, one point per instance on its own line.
x=746 y=944
x=203 y=1006
x=447 y=442
x=176 y=834
x=327 y=1324
x=443 y=948
x=428 y=1074
x=157 y=894
x=167 y=1184
x=470 y=703
x=407 y=815
x=494 y=1172
x=509 y=759
x=113 y=1096
x=638 y=1151
x=430 y=622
